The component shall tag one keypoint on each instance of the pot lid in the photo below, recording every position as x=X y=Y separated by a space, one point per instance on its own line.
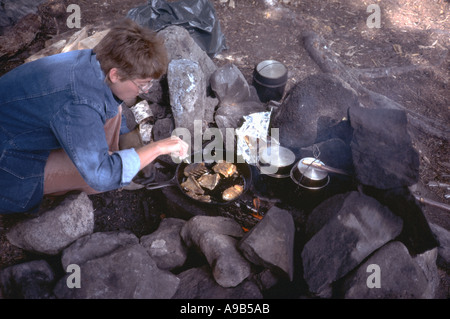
x=271 y=69
x=277 y=156
x=315 y=174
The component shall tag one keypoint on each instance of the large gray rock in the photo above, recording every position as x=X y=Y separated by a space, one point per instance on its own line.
x=215 y=238
x=311 y=108
x=228 y=266
x=195 y=227
x=400 y=276
x=187 y=90
x=383 y=154
x=180 y=45
x=230 y=85
x=198 y=283
x=126 y=273
x=271 y=242
x=30 y=280
x=163 y=128
x=165 y=245
x=96 y=245
x=355 y=226
x=55 y=229
x=427 y=262
x=237 y=98
x=443 y=236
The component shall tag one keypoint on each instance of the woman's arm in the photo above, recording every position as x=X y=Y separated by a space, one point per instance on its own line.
x=172 y=145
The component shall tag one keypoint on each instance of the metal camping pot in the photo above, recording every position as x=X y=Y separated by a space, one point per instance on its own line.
x=276 y=161
x=306 y=175
x=269 y=79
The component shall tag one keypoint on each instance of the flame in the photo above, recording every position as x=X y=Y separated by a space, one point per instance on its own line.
x=244 y=229
x=256 y=203
x=256 y=215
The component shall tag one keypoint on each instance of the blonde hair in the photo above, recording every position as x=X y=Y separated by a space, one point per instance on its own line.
x=135 y=51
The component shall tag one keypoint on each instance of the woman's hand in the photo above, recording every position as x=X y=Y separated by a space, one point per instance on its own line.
x=172 y=145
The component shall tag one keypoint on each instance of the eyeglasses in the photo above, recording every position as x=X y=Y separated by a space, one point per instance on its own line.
x=143 y=88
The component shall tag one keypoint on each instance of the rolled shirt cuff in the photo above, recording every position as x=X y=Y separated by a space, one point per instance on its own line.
x=130 y=165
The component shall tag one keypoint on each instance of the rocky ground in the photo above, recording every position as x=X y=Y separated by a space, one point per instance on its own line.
x=411 y=33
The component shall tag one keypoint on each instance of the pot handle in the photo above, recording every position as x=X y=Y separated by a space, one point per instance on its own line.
x=157 y=185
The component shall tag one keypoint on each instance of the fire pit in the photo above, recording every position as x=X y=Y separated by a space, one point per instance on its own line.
x=341 y=228
x=263 y=192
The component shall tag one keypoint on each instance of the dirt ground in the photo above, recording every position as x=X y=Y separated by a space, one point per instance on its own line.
x=412 y=32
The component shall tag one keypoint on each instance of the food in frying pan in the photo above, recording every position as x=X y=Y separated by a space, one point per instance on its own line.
x=212 y=182
x=192 y=186
x=232 y=192
x=201 y=198
x=195 y=169
x=225 y=168
x=209 y=181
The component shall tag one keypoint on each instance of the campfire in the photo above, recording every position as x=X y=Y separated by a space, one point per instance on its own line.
x=233 y=231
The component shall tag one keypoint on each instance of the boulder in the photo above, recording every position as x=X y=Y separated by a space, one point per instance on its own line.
x=230 y=85
x=165 y=245
x=229 y=268
x=180 y=45
x=30 y=280
x=311 y=109
x=400 y=277
x=443 y=237
x=198 y=283
x=382 y=151
x=187 y=90
x=215 y=238
x=96 y=245
x=126 y=273
x=195 y=227
x=427 y=262
x=236 y=98
x=270 y=243
x=54 y=230
x=347 y=229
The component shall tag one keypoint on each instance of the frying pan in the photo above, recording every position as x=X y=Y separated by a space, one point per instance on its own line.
x=244 y=178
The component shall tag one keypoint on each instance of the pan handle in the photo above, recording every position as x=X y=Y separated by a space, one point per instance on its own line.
x=157 y=185
x=327 y=168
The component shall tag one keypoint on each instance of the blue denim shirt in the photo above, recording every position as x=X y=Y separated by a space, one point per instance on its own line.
x=60 y=101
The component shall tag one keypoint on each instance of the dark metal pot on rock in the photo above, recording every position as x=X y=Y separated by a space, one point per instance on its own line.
x=269 y=79
x=276 y=161
x=308 y=176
